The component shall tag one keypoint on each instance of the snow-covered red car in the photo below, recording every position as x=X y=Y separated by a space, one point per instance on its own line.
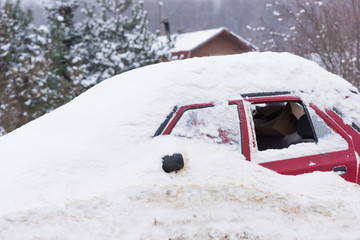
x=278 y=130
x=95 y=161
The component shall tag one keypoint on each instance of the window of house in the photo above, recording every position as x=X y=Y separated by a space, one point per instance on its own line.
x=218 y=124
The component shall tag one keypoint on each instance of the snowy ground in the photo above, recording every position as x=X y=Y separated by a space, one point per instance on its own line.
x=91 y=169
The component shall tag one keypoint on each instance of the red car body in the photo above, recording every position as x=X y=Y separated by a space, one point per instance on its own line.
x=344 y=161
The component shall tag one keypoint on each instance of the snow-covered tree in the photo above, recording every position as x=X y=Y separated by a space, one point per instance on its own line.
x=63 y=35
x=115 y=40
x=42 y=68
x=20 y=61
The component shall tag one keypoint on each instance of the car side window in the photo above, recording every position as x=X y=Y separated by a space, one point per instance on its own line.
x=218 y=124
x=355 y=122
x=288 y=130
x=321 y=128
x=281 y=124
x=356 y=126
x=348 y=109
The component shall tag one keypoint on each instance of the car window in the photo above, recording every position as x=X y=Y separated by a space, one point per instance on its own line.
x=218 y=124
x=280 y=124
x=348 y=109
x=287 y=130
x=354 y=122
x=356 y=126
x=321 y=128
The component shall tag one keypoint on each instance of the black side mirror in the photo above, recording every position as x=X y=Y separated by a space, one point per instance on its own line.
x=173 y=163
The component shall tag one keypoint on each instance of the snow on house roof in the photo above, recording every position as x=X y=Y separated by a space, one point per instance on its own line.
x=191 y=40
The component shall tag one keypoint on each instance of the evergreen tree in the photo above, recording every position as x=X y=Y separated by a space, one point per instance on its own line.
x=45 y=67
x=115 y=42
x=19 y=56
x=62 y=36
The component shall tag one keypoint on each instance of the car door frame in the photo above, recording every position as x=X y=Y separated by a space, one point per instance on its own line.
x=303 y=164
x=248 y=142
x=355 y=135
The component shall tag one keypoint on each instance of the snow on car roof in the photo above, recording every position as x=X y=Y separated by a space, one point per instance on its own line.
x=220 y=78
x=91 y=169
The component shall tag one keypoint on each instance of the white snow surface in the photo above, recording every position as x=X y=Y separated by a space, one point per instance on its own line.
x=92 y=170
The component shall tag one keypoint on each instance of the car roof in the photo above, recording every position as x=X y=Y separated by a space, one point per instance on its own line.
x=222 y=77
x=145 y=96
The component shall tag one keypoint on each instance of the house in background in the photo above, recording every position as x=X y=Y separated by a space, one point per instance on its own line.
x=212 y=42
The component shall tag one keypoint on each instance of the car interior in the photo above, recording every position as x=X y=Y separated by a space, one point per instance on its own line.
x=281 y=124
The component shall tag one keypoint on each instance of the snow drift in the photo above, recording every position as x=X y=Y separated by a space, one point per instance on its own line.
x=92 y=170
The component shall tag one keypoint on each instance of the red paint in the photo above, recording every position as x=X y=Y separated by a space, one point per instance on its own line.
x=319 y=162
x=244 y=131
x=299 y=165
x=355 y=135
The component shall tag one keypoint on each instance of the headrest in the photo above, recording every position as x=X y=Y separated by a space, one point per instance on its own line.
x=303 y=127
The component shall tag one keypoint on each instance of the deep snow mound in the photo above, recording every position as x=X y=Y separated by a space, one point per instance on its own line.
x=92 y=170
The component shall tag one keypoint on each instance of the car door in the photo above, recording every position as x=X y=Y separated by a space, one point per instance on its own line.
x=325 y=147
x=353 y=130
